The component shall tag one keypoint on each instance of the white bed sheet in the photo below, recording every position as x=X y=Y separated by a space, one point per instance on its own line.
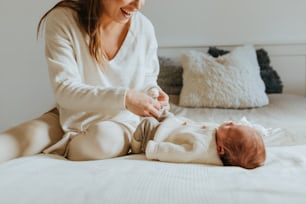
x=49 y=179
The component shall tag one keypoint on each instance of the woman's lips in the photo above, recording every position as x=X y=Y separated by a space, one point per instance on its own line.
x=126 y=13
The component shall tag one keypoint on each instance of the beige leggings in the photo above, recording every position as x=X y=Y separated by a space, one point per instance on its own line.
x=30 y=137
x=106 y=139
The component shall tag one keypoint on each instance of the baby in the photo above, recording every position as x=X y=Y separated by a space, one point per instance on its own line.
x=178 y=139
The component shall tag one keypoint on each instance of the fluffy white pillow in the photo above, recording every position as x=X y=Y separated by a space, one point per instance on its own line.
x=229 y=81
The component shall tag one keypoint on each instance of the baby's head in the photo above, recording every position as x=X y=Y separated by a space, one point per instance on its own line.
x=240 y=145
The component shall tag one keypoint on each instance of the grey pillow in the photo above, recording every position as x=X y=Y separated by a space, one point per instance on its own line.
x=170 y=77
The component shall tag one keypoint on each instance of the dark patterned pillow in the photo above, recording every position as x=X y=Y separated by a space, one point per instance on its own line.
x=171 y=81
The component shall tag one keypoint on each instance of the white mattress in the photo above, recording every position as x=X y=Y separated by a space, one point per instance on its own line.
x=49 y=179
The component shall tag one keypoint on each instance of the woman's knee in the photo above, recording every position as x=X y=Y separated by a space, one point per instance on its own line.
x=101 y=141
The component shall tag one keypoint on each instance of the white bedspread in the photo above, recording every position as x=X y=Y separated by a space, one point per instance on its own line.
x=48 y=179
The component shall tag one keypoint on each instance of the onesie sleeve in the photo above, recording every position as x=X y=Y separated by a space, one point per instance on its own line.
x=171 y=151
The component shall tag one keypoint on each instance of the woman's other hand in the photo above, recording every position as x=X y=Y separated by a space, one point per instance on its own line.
x=163 y=99
x=143 y=105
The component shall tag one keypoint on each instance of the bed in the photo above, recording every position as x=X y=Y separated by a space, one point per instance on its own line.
x=132 y=179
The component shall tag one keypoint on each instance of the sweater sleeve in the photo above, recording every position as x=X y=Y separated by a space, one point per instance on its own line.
x=61 y=39
x=152 y=69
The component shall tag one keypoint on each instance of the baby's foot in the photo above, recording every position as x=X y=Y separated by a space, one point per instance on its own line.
x=144 y=132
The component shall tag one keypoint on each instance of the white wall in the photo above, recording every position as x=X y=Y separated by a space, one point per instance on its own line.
x=24 y=83
x=227 y=22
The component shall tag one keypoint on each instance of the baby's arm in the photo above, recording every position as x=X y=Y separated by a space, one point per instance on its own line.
x=185 y=150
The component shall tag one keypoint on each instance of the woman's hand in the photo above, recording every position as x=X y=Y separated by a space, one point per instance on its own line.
x=143 y=105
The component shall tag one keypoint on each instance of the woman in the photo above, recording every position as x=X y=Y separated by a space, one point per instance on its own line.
x=102 y=58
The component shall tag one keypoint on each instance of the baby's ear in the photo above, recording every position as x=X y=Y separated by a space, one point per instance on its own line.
x=220 y=149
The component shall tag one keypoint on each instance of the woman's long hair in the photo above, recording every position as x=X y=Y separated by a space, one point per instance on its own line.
x=89 y=13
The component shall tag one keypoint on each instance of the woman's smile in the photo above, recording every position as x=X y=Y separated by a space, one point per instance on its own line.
x=126 y=13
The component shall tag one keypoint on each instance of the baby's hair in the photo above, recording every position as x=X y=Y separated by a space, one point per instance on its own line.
x=247 y=152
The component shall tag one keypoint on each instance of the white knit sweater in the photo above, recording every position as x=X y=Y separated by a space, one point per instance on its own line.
x=86 y=93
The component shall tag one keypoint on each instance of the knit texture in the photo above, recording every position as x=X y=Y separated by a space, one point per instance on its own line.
x=229 y=81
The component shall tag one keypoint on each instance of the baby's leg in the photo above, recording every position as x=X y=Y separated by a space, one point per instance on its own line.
x=30 y=137
x=103 y=140
x=144 y=132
